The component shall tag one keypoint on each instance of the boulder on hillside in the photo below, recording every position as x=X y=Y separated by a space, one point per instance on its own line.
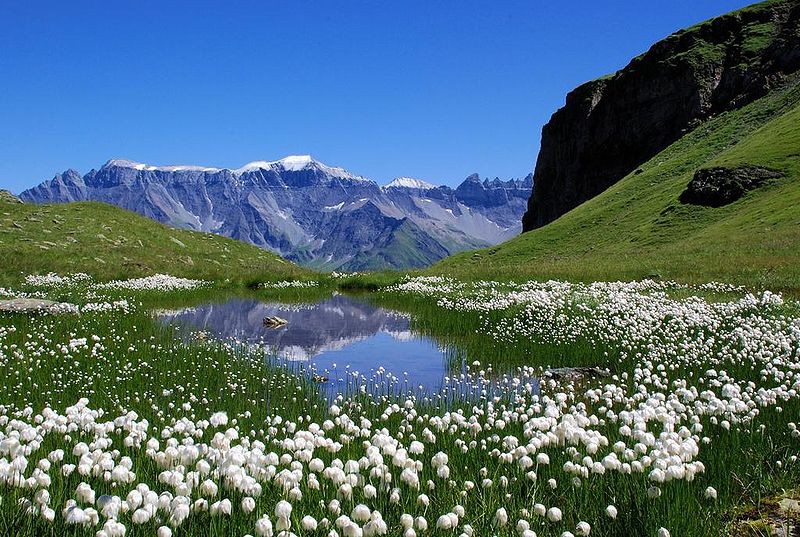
x=8 y=197
x=35 y=305
x=715 y=187
x=573 y=374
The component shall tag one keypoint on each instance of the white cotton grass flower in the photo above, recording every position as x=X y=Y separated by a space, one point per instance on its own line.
x=209 y=488
x=75 y=515
x=554 y=514
x=141 y=516
x=48 y=514
x=308 y=523
x=220 y=508
x=283 y=511
x=361 y=513
x=406 y=521
x=218 y=419
x=264 y=527
x=112 y=528
x=501 y=517
x=134 y=499
x=663 y=532
x=335 y=507
x=351 y=529
x=711 y=493
x=157 y=282
x=611 y=511
x=85 y=494
x=444 y=522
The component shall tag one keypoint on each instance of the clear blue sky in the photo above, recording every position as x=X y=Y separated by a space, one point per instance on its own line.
x=428 y=89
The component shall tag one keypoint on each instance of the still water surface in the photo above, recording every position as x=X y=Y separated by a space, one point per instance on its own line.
x=337 y=336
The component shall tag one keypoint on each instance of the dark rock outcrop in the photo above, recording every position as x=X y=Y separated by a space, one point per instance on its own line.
x=608 y=127
x=715 y=187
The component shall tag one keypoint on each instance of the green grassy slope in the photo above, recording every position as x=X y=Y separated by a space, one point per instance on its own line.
x=109 y=242
x=638 y=228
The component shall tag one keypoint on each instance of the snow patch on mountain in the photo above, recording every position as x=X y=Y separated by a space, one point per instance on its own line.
x=124 y=163
x=296 y=163
x=292 y=163
x=410 y=182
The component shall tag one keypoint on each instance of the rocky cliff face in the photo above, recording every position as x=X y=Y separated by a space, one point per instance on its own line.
x=316 y=215
x=611 y=125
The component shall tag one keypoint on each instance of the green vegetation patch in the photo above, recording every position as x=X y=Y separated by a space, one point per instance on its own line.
x=110 y=243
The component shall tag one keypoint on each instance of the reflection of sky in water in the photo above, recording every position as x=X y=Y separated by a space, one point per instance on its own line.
x=333 y=334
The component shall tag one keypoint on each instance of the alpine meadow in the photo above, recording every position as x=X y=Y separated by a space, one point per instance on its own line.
x=601 y=340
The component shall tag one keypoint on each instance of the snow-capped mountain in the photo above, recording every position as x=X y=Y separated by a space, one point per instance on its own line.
x=317 y=215
x=408 y=182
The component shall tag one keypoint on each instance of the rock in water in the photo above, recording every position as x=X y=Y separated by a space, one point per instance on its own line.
x=35 y=305
x=274 y=322
x=715 y=187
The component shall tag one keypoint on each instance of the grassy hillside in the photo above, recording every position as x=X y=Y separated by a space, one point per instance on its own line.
x=109 y=242
x=638 y=227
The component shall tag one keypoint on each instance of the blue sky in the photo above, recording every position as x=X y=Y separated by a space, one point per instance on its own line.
x=429 y=89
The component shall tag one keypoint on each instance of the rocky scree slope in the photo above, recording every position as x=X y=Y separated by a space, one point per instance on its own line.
x=610 y=126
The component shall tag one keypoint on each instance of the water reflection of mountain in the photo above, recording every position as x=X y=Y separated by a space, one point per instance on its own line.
x=329 y=325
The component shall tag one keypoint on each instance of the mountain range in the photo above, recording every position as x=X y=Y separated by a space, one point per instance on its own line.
x=316 y=215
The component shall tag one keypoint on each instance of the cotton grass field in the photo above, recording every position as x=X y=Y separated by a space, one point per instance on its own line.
x=684 y=423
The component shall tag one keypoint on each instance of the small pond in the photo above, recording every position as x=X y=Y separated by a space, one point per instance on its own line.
x=336 y=336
